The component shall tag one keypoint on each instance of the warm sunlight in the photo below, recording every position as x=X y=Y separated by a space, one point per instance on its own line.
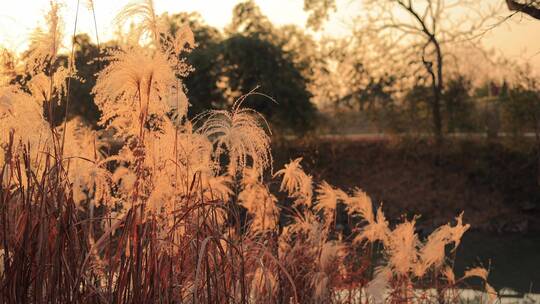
x=512 y=39
x=307 y=151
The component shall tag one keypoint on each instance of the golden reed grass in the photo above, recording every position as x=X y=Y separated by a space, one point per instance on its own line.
x=182 y=212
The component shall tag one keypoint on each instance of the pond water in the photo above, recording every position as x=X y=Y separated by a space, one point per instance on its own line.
x=514 y=259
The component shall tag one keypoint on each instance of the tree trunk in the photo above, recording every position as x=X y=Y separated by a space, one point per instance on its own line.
x=437 y=118
x=437 y=100
x=537 y=137
x=436 y=85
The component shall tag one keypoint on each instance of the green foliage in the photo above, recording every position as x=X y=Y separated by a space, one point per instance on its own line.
x=252 y=55
x=412 y=112
x=459 y=106
x=521 y=106
x=250 y=62
x=417 y=112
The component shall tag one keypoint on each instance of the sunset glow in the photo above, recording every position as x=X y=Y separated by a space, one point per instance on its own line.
x=513 y=38
x=269 y=152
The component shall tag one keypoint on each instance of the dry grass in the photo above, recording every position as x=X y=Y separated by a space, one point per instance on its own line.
x=182 y=213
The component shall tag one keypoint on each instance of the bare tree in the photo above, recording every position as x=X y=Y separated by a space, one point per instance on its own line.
x=529 y=7
x=421 y=30
x=426 y=24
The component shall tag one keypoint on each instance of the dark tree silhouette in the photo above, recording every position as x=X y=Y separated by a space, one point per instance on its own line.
x=250 y=62
x=531 y=8
x=202 y=82
x=250 y=55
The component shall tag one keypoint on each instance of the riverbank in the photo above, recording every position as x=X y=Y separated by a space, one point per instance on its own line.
x=494 y=184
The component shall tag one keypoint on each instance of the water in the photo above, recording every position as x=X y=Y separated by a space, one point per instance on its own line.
x=513 y=260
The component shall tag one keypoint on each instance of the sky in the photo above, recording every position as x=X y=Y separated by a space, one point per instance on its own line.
x=517 y=39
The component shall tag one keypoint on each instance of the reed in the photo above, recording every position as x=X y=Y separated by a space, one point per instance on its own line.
x=182 y=213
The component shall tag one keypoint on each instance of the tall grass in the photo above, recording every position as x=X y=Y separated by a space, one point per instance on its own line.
x=183 y=213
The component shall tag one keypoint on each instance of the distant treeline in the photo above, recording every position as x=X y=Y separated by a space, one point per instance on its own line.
x=292 y=72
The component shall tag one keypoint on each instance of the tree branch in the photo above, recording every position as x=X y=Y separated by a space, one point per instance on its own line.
x=528 y=9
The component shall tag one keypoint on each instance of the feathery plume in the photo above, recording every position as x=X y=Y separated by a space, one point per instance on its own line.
x=241 y=133
x=46 y=44
x=327 y=199
x=259 y=202
x=479 y=272
x=22 y=115
x=377 y=288
x=320 y=284
x=402 y=247
x=377 y=230
x=449 y=275
x=296 y=182
x=360 y=204
x=84 y=152
x=135 y=86
x=148 y=24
